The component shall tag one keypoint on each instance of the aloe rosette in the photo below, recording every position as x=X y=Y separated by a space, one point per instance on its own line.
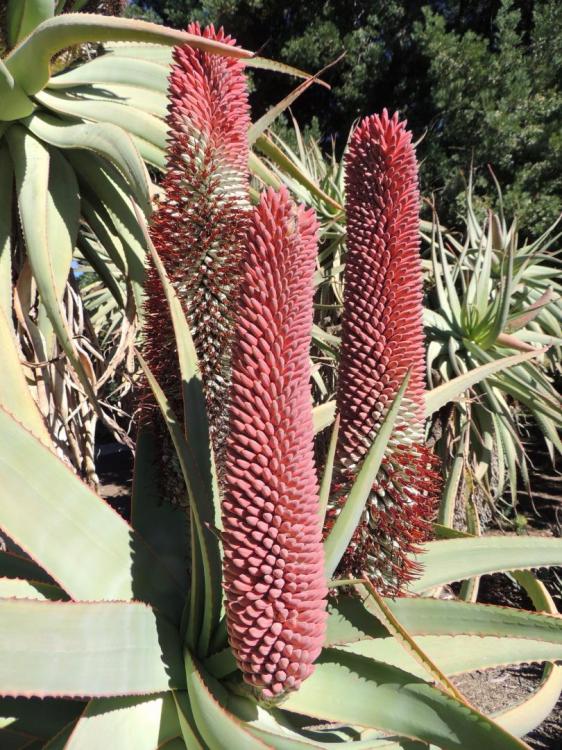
x=382 y=339
x=200 y=225
x=273 y=558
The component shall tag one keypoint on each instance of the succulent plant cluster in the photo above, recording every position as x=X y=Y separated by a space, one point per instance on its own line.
x=240 y=648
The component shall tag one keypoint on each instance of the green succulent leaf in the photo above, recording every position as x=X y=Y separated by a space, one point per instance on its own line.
x=380 y=696
x=146 y=100
x=205 y=594
x=49 y=218
x=162 y=525
x=15 y=102
x=29 y=62
x=23 y=16
x=452 y=389
x=456 y=559
x=15 y=395
x=137 y=72
x=131 y=120
x=343 y=529
x=459 y=653
x=91 y=252
x=218 y=727
x=352 y=620
x=6 y=180
x=106 y=140
x=188 y=727
x=142 y=723
x=16 y=588
x=111 y=209
x=326 y=484
x=273 y=152
x=59 y=519
x=78 y=649
x=14 y=565
x=524 y=717
x=35 y=717
x=197 y=459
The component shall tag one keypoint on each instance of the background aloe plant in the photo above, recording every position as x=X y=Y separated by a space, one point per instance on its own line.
x=491 y=296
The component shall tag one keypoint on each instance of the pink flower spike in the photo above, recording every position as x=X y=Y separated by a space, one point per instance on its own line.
x=273 y=555
x=200 y=225
x=382 y=337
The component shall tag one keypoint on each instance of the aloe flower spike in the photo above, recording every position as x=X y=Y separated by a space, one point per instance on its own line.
x=199 y=227
x=382 y=337
x=273 y=556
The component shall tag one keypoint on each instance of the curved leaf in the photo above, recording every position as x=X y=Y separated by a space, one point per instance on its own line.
x=15 y=395
x=6 y=191
x=13 y=565
x=145 y=100
x=380 y=696
x=456 y=559
x=15 y=102
x=49 y=221
x=105 y=69
x=139 y=723
x=29 y=62
x=106 y=140
x=459 y=653
x=273 y=152
x=22 y=16
x=162 y=525
x=218 y=727
x=133 y=121
x=351 y=620
x=107 y=195
x=92 y=649
x=452 y=389
x=323 y=416
x=37 y=717
x=343 y=529
x=527 y=715
x=58 y=521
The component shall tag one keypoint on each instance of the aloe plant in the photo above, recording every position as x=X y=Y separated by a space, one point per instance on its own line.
x=121 y=650
x=75 y=170
x=146 y=642
x=492 y=297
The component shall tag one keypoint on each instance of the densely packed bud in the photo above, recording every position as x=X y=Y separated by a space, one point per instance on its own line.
x=273 y=556
x=382 y=337
x=200 y=225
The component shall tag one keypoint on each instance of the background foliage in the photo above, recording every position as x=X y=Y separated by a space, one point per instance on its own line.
x=480 y=80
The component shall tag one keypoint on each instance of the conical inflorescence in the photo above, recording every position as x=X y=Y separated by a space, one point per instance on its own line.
x=382 y=338
x=273 y=556
x=200 y=225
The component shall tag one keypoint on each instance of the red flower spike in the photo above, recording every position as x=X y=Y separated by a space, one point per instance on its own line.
x=199 y=227
x=382 y=337
x=273 y=556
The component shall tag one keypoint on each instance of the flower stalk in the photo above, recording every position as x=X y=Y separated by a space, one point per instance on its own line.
x=200 y=225
x=382 y=338
x=273 y=557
